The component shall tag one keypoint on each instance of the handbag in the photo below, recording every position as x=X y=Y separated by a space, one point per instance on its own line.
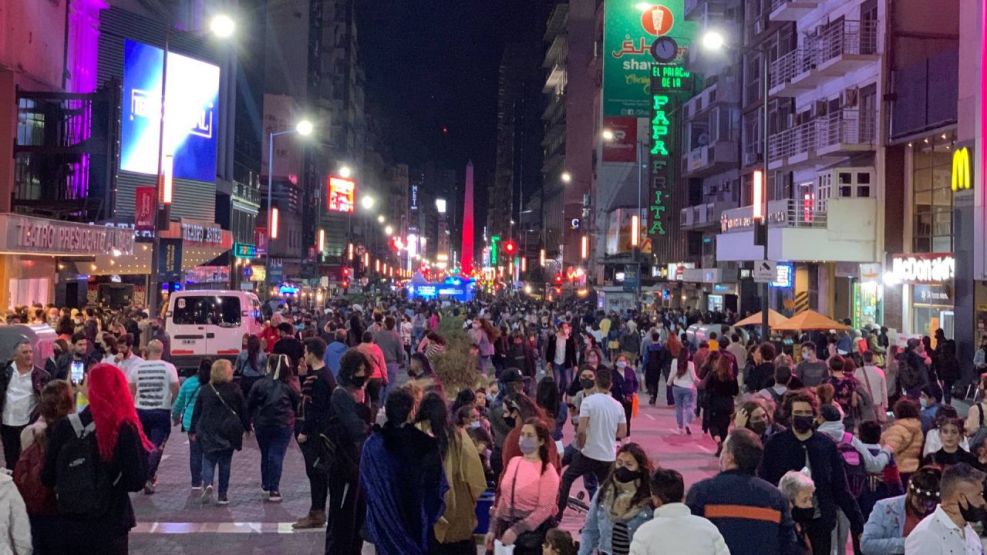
x=531 y=540
x=231 y=427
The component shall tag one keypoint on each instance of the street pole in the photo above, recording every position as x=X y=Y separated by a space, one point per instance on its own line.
x=270 y=203
x=161 y=214
x=765 y=330
x=637 y=248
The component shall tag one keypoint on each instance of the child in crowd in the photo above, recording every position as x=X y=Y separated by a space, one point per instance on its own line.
x=559 y=542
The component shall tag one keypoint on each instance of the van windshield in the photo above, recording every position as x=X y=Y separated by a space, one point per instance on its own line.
x=207 y=310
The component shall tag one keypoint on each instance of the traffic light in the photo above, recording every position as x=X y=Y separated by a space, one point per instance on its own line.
x=510 y=248
x=558 y=279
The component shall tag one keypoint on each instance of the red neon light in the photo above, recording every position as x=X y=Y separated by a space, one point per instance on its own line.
x=466 y=264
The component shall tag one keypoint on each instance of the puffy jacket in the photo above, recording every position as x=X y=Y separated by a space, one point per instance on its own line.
x=185 y=402
x=272 y=404
x=210 y=417
x=905 y=438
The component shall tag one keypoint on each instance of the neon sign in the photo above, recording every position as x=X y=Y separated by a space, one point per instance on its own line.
x=659 y=126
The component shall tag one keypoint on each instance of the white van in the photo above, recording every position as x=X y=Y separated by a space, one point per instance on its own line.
x=210 y=323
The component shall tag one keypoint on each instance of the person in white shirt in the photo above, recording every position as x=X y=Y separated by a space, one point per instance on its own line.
x=601 y=423
x=20 y=390
x=947 y=530
x=674 y=529
x=154 y=384
x=684 y=382
x=873 y=378
x=125 y=358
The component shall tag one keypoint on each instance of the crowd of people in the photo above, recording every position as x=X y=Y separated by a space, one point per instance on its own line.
x=825 y=441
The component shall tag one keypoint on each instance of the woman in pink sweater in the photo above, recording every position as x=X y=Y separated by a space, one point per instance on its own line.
x=526 y=500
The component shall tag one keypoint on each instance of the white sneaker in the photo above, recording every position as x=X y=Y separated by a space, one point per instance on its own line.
x=206 y=494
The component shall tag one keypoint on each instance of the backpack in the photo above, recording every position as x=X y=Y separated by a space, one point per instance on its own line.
x=910 y=375
x=655 y=354
x=38 y=498
x=853 y=464
x=82 y=484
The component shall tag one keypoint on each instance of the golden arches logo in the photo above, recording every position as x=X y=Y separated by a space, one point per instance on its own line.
x=961 y=173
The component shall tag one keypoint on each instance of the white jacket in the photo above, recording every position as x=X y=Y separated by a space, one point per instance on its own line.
x=15 y=528
x=676 y=530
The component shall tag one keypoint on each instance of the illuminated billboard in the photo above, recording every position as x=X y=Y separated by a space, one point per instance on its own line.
x=191 y=113
x=341 y=194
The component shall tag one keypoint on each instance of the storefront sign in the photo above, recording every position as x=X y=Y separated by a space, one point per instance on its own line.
x=145 y=205
x=30 y=235
x=931 y=294
x=623 y=146
x=961 y=176
x=244 y=250
x=341 y=194
x=636 y=35
x=734 y=223
x=202 y=233
x=208 y=274
x=923 y=267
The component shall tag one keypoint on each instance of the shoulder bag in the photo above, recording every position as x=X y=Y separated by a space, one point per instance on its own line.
x=532 y=540
x=230 y=428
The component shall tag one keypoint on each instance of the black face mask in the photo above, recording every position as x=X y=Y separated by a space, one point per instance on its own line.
x=802 y=424
x=625 y=475
x=586 y=384
x=758 y=427
x=510 y=421
x=801 y=515
x=358 y=381
x=973 y=514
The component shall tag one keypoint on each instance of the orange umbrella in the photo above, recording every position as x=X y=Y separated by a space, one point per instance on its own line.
x=775 y=319
x=810 y=320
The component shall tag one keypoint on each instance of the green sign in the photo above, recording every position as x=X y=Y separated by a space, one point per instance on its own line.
x=494 y=250
x=244 y=250
x=631 y=29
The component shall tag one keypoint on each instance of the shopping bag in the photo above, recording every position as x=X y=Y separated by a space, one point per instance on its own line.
x=501 y=549
x=635 y=405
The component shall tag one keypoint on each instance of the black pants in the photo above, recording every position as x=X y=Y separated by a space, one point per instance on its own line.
x=317 y=480
x=651 y=378
x=347 y=509
x=581 y=465
x=820 y=535
x=465 y=547
x=77 y=546
x=666 y=373
x=10 y=436
x=628 y=412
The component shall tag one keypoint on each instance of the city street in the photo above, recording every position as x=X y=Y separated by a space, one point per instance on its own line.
x=173 y=521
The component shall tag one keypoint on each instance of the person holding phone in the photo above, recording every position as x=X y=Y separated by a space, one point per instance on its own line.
x=73 y=364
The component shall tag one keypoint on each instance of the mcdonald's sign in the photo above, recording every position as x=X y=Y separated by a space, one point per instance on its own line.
x=961 y=178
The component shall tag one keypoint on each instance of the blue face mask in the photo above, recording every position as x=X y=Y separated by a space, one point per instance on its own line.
x=528 y=445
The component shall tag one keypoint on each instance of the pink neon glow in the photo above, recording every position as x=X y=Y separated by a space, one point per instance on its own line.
x=466 y=262
x=983 y=87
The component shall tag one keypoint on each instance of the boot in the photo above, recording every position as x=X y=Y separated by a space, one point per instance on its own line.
x=314 y=519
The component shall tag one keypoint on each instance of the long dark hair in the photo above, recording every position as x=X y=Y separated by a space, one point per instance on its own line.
x=547 y=396
x=682 y=363
x=643 y=494
x=253 y=349
x=541 y=430
x=434 y=411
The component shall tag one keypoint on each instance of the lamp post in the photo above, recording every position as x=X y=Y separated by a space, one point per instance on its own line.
x=222 y=26
x=715 y=41
x=303 y=128
x=609 y=136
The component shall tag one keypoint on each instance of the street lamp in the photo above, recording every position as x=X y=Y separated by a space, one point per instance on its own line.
x=714 y=40
x=566 y=177
x=345 y=172
x=388 y=230
x=303 y=128
x=381 y=219
x=368 y=202
x=221 y=26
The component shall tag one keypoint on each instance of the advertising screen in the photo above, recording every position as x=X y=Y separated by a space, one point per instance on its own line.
x=341 y=194
x=191 y=113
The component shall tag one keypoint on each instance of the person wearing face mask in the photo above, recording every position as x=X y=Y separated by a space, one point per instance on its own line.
x=803 y=448
x=620 y=506
x=348 y=429
x=317 y=385
x=743 y=506
x=517 y=410
x=811 y=371
x=798 y=489
x=623 y=367
x=894 y=518
x=754 y=416
x=675 y=529
x=948 y=528
x=525 y=505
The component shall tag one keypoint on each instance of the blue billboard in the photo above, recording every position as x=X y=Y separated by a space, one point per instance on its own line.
x=191 y=113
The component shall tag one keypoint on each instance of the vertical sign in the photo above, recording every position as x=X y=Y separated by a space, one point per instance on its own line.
x=631 y=32
x=170 y=260
x=145 y=202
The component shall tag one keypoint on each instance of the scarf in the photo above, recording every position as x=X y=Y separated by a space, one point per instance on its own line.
x=620 y=500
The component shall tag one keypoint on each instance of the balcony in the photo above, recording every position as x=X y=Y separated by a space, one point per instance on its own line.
x=700 y=9
x=827 y=53
x=791 y=10
x=710 y=159
x=836 y=134
x=702 y=216
x=722 y=90
x=836 y=229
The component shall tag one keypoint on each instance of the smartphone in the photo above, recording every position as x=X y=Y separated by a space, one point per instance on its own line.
x=78 y=369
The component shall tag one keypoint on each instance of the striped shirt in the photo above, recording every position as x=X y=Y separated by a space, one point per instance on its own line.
x=153 y=380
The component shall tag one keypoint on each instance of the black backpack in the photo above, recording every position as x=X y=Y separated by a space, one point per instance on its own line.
x=910 y=375
x=83 y=484
x=656 y=358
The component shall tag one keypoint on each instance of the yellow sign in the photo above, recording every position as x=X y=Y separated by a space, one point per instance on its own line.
x=961 y=174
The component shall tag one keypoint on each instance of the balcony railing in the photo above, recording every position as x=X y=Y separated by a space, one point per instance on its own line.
x=853 y=38
x=842 y=127
x=794 y=213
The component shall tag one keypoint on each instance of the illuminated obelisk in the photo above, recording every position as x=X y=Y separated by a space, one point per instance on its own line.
x=467 y=248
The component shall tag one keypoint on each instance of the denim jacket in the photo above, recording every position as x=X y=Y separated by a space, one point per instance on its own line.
x=884 y=531
x=598 y=531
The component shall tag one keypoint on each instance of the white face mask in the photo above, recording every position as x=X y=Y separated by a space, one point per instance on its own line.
x=621 y=364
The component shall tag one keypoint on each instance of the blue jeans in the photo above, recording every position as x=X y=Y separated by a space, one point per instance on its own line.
x=157 y=428
x=685 y=402
x=273 y=443
x=393 y=369
x=562 y=375
x=209 y=463
x=195 y=461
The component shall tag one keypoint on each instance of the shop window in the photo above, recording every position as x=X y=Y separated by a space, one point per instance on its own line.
x=932 y=198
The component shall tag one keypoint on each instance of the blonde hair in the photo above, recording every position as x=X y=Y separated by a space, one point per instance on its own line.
x=219 y=373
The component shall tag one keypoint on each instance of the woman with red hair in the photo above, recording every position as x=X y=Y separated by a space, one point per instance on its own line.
x=119 y=449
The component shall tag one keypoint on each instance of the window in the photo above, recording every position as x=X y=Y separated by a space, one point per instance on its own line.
x=932 y=199
x=207 y=310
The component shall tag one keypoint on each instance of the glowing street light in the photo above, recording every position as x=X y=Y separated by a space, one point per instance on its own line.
x=713 y=40
x=608 y=135
x=305 y=128
x=566 y=177
x=388 y=230
x=368 y=202
x=381 y=219
x=345 y=172
x=222 y=25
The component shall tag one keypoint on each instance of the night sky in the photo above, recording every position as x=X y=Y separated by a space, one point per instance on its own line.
x=430 y=65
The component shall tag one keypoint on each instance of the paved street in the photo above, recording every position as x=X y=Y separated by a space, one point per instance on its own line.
x=173 y=521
